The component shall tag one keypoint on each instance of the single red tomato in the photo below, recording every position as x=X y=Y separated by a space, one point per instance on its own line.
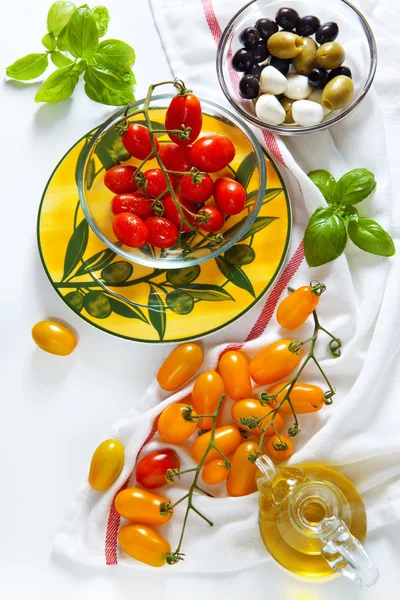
x=137 y=141
x=151 y=471
x=130 y=230
x=184 y=110
x=229 y=195
x=172 y=213
x=176 y=158
x=197 y=192
x=215 y=218
x=162 y=233
x=136 y=203
x=212 y=153
x=120 y=179
x=156 y=183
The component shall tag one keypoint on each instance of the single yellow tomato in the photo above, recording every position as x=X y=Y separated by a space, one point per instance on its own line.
x=234 y=370
x=107 y=463
x=144 y=544
x=53 y=337
x=207 y=390
x=141 y=506
x=214 y=472
x=242 y=476
x=183 y=362
x=226 y=438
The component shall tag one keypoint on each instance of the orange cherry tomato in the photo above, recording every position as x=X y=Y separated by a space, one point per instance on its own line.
x=279 y=454
x=207 y=390
x=234 y=370
x=180 y=366
x=227 y=439
x=141 y=506
x=242 y=476
x=274 y=362
x=172 y=427
x=144 y=544
x=304 y=397
x=54 y=338
x=214 y=472
x=107 y=463
x=295 y=309
x=251 y=407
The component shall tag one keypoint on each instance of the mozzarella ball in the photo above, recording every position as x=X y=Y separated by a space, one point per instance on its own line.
x=270 y=110
x=272 y=81
x=316 y=96
x=307 y=113
x=298 y=87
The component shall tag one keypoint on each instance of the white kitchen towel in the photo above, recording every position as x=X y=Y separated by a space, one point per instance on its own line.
x=359 y=433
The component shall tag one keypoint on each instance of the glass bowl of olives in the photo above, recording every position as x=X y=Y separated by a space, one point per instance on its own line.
x=296 y=68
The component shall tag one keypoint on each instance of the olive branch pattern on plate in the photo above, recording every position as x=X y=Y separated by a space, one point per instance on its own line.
x=157 y=305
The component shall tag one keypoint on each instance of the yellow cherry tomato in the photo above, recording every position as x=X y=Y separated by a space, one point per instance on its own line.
x=295 y=309
x=141 y=506
x=53 y=337
x=180 y=366
x=250 y=407
x=305 y=398
x=279 y=454
x=144 y=544
x=234 y=370
x=207 y=390
x=274 y=362
x=214 y=472
x=172 y=427
x=226 y=438
x=242 y=476
x=107 y=463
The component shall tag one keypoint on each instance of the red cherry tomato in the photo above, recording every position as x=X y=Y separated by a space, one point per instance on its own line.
x=212 y=153
x=197 y=192
x=156 y=183
x=136 y=203
x=119 y=179
x=229 y=195
x=151 y=471
x=184 y=110
x=215 y=220
x=172 y=213
x=176 y=158
x=137 y=141
x=162 y=233
x=130 y=230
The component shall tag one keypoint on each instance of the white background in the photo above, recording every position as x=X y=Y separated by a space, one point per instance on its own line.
x=56 y=410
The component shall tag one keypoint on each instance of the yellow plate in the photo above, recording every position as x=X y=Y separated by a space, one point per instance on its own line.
x=147 y=305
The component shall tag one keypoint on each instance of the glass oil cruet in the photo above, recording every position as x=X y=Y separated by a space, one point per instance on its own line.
x=313 y=522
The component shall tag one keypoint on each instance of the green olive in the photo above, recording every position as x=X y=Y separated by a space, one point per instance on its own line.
x=287 y=105
x=338 y=92
x=285 y=44
x=330 y=55
x=305 y=61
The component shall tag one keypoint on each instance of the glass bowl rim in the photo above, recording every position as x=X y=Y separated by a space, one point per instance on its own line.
x=280 y=129
x=167 y=263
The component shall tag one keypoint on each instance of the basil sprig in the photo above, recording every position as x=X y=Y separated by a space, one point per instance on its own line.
x=326 y=234
x=72 y=43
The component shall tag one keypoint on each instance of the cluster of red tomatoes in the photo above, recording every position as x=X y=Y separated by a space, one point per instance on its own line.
x=155 y=205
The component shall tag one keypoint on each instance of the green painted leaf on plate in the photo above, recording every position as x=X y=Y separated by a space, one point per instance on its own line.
x=180 y=302
x=206 y=291
x=76 y=248
x=110 y=149
x=96 y=262
x=259 y=224
x=235 y=275
x=246 y=169
x=157 y=313
x=122 y=309
x=270 y=195
x=90 y=173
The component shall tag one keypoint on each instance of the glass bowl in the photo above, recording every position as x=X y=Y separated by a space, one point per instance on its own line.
x=354 y=34
x=105 y=149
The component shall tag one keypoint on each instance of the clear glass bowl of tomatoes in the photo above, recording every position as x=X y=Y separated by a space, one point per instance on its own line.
x=135 y=219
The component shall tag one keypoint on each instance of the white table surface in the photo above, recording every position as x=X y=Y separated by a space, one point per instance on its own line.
x=55 y=410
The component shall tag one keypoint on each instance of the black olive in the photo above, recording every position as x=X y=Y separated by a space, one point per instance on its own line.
x=318 y=78
x=307 y=25
x=287 y=18
x=242 y=60
x=266 y=28
x=249 y=87
x=255 y=70
x=249 y=37
x=282 y=64
x=327 y=32
x=260 y=52
x=340 y=71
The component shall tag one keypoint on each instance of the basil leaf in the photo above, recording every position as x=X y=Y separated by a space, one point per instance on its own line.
x=355 y=186
x=115 y=53
x=102 y=18
x=28 y=67
x=59 y=59
x=49 y=42
x=348 y=212
x=83 y=37
x=62 y=40
x=371 y=237
x=107 y=87
x=325 y=182
x=59 y=86
x=325 y=237
x=58 y=16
